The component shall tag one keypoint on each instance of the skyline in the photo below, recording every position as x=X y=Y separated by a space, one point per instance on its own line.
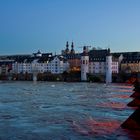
x=27 y=26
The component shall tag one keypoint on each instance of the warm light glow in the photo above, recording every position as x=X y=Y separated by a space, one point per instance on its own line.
x=94 y=127
x=115 y=105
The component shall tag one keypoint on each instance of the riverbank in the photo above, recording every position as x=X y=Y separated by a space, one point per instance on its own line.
x=73 y=76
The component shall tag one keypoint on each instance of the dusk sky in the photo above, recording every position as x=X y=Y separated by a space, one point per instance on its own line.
x=30 y=25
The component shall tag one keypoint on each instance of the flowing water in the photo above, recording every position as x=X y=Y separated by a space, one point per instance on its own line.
x=64 y=111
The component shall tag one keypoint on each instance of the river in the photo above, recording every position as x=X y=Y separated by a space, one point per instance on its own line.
x=64 y=111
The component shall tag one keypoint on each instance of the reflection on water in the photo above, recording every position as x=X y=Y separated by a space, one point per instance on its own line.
x=113 y=105
x=93 y=127
x=63 y=111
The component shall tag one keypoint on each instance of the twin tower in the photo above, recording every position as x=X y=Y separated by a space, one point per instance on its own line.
x=85 y=66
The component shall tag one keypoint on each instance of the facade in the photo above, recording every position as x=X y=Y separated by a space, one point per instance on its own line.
x=98 y=61
x=33 y=64
x=101 y=62
x=74 y=61
x=54 y=65
x=129 y=62
x=130 y=67
x=5 y=66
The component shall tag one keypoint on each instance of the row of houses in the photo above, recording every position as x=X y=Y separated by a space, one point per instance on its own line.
x=127 y=62
x=93 y=61
x=37 y=63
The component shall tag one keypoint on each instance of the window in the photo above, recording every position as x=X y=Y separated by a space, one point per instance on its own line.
x=83 y=61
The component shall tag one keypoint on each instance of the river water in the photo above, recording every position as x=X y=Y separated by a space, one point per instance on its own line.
x=64 y=111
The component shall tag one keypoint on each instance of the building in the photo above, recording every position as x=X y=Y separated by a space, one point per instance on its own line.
x=5 y=66
x=73 y=58
x=98 y=62
x=41 y=64
x=129 y=62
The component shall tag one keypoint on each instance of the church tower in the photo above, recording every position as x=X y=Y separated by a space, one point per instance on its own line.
x=72 y=48
x=108 y=67
x=84 y=64
x=67 y=48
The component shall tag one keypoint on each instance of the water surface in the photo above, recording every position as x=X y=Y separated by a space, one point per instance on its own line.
x=63 y=111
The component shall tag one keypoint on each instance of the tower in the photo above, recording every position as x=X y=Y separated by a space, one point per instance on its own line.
x=108 y=67
x=67 y=48
x=72 y=48
x=84 y=64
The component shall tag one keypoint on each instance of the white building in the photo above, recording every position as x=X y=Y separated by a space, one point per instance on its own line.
x=55 y=65
x=100 y=63
x=100 y=67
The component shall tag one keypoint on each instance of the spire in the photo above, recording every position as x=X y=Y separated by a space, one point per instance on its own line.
x=67 y=48
x=72 y=48
x=72 y=45
x=67 y=45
